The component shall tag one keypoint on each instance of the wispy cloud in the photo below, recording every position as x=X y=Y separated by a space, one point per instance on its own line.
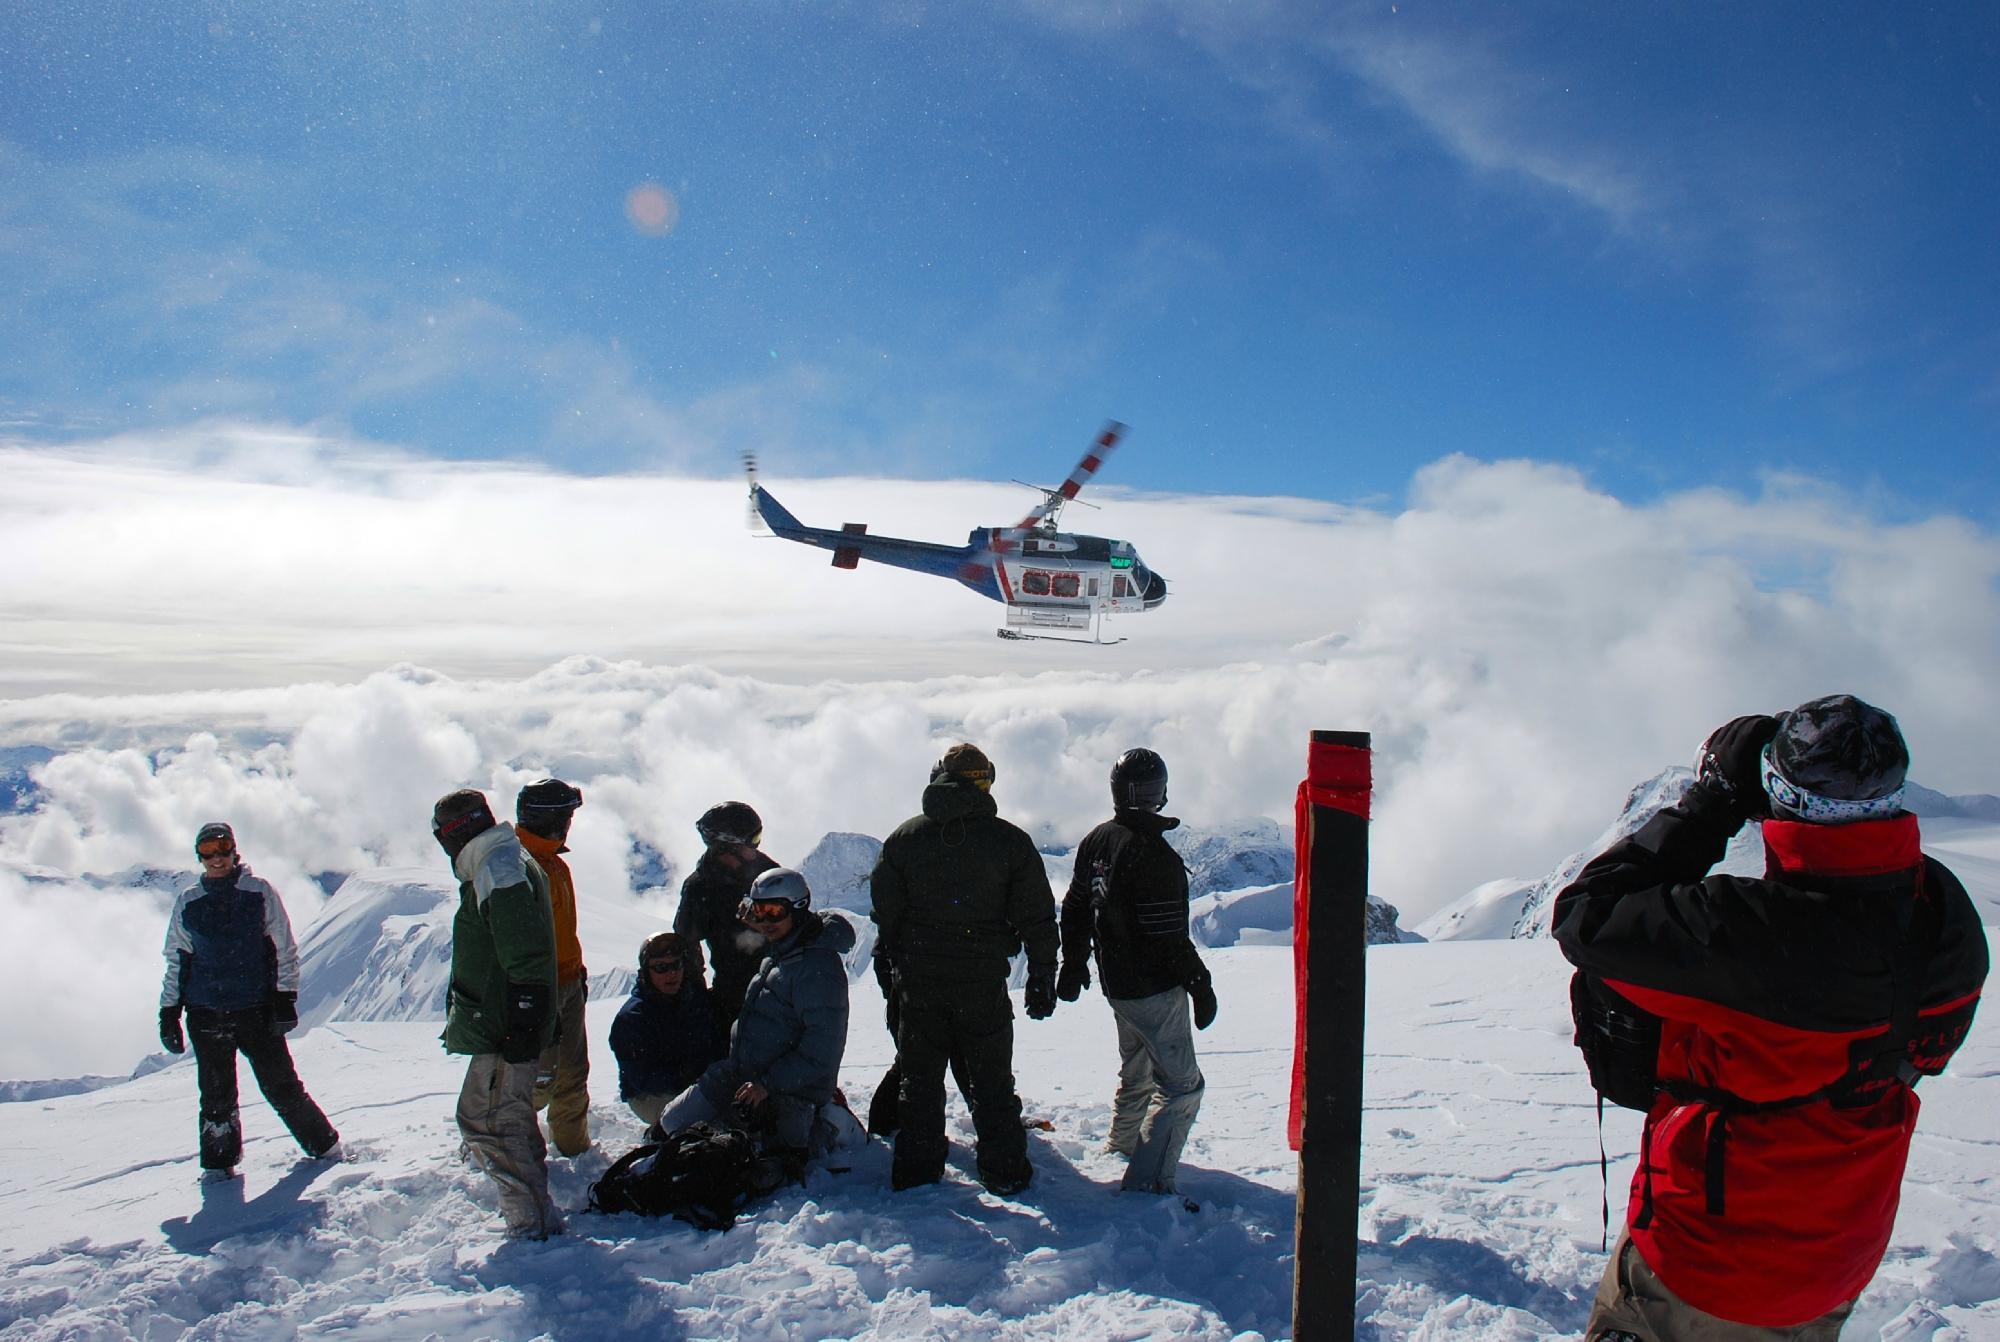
x=1489 y=114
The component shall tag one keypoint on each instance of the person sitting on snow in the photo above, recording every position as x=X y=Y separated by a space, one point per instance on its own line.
x=664 y=1037
x=780 y=1076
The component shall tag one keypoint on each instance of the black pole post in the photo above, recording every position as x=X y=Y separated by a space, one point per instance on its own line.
x=1333 y=852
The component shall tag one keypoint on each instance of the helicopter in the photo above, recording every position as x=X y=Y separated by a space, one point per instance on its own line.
x=1047 y=579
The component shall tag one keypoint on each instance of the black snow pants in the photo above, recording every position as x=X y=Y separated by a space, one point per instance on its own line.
x=968 y=1027
x=217 y=1037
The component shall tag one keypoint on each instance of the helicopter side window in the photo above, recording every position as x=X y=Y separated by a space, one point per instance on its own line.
x=1034 y=582
x=1119 y=587
x=1066 y=584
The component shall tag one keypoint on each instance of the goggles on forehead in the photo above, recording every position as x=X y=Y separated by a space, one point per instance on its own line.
x=215 y=848
x=764 y=910
x=1790 y=797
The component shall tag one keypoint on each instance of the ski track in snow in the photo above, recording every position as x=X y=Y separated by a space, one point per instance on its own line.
x=1479 y=1217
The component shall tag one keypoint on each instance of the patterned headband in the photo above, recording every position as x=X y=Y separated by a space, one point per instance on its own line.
x=1794 y=800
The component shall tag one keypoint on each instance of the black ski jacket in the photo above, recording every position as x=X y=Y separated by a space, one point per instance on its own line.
x=957 y=890
x=710 y=897
x=1129 y=899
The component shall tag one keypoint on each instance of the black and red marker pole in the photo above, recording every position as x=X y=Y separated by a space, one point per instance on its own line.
x=1330 y=974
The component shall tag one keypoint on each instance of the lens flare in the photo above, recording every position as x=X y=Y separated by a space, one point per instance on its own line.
x=652 y=209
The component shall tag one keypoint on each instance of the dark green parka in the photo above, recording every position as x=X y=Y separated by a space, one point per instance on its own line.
x=504 y=932
x=957 y=890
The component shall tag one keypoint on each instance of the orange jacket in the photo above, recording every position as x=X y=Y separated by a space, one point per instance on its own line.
x=562 y=902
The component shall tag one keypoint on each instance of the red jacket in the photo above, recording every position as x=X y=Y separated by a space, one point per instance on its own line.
x=1853 y=967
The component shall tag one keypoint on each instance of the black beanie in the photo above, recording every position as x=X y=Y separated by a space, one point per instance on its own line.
x=459 y=818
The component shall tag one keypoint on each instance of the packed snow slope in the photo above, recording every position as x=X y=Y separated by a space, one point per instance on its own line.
x=1479 y=1218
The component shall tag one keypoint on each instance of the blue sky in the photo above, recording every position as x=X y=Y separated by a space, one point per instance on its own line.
x=1301 y=249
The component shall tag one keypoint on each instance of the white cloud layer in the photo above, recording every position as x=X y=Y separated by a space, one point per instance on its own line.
x=201 y=629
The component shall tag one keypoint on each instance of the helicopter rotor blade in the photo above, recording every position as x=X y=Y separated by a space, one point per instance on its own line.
x=1053 y=499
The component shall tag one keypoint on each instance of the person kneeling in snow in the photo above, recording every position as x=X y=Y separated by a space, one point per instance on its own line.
x=233 y=966
x=664 y=1036
x=780 y=1077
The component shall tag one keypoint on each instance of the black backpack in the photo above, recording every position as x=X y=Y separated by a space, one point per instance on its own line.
x=1620 y=1043
x=703 y=1175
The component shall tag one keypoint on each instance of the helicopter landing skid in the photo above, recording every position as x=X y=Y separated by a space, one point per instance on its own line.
x=1018 y=636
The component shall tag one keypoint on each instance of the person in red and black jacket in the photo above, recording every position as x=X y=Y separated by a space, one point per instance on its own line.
x=1798 y=1013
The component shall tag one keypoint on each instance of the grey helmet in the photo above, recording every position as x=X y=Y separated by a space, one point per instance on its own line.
x=781 y=883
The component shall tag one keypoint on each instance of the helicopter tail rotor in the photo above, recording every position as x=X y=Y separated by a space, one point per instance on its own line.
x=754 y=518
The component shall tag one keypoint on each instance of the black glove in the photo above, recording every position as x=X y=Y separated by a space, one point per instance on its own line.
x=1728 y=771
x=1075 y=978
x=284 y=1014
x=1041 y=994
x=527 y=1008
x=1202 y=993
x=171 y=1037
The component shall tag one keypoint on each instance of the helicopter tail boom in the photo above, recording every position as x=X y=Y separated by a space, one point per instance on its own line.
x=852 y=544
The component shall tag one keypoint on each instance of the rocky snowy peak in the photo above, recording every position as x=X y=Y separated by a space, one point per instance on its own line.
x=1234 y=855
x=1921 y=801
x=1744 y=856
x=837 y=870
x=1511 y=907
x=1262 y=916
x=381 y=948
x=19 y=793
x=1515 y=908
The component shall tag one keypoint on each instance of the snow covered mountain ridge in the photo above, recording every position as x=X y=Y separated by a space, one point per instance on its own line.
x=1513 y=908
x=381 y=948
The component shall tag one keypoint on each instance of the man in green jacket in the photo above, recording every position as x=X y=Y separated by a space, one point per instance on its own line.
x=502 y=1004
x=956 y=892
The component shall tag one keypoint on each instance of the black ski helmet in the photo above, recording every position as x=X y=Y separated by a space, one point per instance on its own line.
x=547 y=807
x=551 y=794
x=730 y=822
x=213 y=830
x=459 y=818
x=1139 y=781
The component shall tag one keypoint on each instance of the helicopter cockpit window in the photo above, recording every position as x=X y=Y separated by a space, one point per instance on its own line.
x=1034 y=582
x=1065 y=584
x=1119 y=587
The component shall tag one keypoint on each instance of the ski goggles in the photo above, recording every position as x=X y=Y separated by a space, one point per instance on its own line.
x=1794 y=800
x=764 y=910
x=215 y=848
x=666 y=964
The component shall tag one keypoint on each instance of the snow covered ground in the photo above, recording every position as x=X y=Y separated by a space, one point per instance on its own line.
x=1480 y=1215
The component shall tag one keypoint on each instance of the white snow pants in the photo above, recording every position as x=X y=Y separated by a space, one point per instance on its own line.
x=496 y=1115
x=1159 y=1087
